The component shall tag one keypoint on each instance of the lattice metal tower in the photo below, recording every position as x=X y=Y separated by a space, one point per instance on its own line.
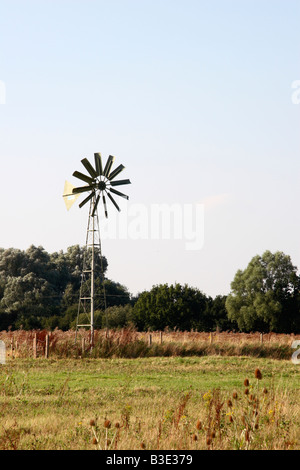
x=92 y=258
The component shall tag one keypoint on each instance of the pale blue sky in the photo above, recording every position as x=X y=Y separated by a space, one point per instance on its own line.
x=193 y=97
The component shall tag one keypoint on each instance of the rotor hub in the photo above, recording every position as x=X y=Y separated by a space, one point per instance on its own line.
x=102 y=185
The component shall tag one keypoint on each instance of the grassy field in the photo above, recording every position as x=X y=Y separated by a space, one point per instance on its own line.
x=152 y=403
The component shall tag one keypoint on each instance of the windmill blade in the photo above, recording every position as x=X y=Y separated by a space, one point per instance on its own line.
x=83 y=177
x=82 y=189
x=114 y=202
x=69 y=198
x=119 y=182
x=118 y=193
x=86 y=199
x=95 y=205
x=108 y=166
x=105 y=207
x=98 y=163
x=114 y=173
x=89 y=168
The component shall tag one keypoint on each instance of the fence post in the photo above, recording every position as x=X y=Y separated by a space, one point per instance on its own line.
x=261 y=338
x=150 y=339
x=161 y=337
x=83 y=345
x=34 y=346
x=47 y=347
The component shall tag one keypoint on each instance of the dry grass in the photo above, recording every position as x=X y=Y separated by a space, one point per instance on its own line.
x=130 y=343
x=250 y=418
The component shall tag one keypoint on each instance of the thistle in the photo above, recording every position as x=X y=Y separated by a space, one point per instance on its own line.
x=258 y=374
x=199 y=425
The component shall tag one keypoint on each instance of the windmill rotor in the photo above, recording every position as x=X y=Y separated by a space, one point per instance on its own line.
x=99 y=183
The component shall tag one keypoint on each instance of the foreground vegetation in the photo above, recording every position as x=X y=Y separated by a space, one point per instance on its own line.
x=149 y=403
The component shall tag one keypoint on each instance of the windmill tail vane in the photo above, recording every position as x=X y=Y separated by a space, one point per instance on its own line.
x=99 y=183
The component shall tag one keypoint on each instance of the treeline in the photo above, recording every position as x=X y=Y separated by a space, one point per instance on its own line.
x=40 y=290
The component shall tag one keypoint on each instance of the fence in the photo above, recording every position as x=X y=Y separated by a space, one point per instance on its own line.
x=44 y=344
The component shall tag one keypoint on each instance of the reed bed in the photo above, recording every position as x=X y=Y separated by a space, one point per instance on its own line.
x=129 y=343
x=223 y=337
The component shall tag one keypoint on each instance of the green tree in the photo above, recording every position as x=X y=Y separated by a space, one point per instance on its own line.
x=116 y=293
x=29 y=297
x=35 y=285
x=218 y=315
x=264 y=297
x=174 y=306
x=67 y=266
x=117 y=316
x=12 y=262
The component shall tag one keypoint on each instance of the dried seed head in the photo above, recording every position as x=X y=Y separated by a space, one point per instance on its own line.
x=234 y=395
x=143 y=445
x=208 y=440
x=246 y=383
x=258 y=374
x=265 y=391
x=246 y=391
x=230 y=419
x=229 y=403
x=195 y=437
x=117 y=425
x=92 y=422
x=95 y=441
x=199 y=425
x=107 y=424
